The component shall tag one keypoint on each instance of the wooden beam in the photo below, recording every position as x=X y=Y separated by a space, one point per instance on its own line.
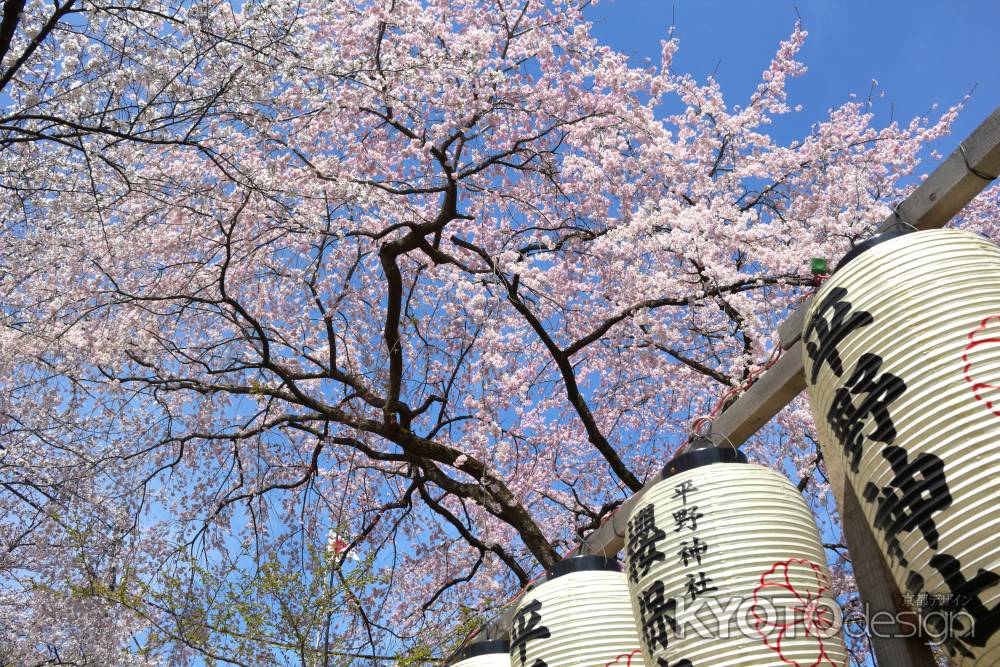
x=765 y=398
x=790 y=330
x=952 y=185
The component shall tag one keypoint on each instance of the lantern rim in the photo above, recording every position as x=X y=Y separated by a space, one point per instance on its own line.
x=697 y=458
x=588 y=563
x=868 y=244
x=486 y=647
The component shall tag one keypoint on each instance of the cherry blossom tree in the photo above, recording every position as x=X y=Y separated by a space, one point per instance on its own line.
x=327 y=325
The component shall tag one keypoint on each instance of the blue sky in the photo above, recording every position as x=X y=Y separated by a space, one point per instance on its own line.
x=920 y=51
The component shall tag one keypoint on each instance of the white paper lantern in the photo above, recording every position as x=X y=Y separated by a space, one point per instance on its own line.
x=581 y=615
x=902 y=362
x=726 y=569
x=495 y=653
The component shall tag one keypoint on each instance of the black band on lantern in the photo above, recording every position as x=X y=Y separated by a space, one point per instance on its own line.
x=697 y=458
x=481 y=648
x=583 y=564
x=869 y=244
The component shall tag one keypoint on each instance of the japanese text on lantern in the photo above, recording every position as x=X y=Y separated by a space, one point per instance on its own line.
x=658 y=613
x=527 y=626
x=860 y=416
x=686 y=522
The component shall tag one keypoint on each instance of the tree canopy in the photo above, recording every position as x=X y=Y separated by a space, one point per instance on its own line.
x=326 y=325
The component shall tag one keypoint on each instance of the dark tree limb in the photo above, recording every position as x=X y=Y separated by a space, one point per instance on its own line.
x=566 y=370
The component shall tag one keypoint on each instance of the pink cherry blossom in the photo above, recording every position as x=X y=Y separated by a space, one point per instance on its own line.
x=448 y=280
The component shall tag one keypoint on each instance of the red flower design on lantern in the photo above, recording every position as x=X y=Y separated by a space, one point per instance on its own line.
x=805 y=613
x=981 y=342
x=627 y=657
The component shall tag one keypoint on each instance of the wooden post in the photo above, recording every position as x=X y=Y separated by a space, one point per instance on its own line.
x=875 y=583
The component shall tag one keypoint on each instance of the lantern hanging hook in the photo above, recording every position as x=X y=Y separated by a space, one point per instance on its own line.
x=900 y=220
x=727 y=441
x=972 y=170
x=701 y=426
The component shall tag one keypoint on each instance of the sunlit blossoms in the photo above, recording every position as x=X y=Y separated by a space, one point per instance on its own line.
x=327 y=324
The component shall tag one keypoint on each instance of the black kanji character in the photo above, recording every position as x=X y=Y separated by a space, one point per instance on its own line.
x=684 y=488
x=657 y=614
x=832 y=323
x=641 y=551
x=848 y=420
x=692 y=552
x=916 y=491
x=526 y=627
x=687 y=515
x=967 y=600
x=699 y=585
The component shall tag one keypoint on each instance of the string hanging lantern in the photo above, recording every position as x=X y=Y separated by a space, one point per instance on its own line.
x=580 y=615
x=901 y=349
x=494 y=653
x=726 y=568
